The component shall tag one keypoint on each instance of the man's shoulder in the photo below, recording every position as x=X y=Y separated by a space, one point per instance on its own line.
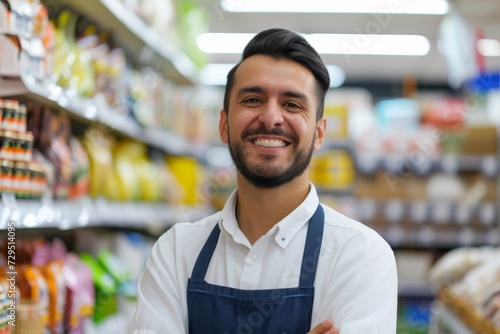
x=340 y=223
x=207 y=222
x=186 y=238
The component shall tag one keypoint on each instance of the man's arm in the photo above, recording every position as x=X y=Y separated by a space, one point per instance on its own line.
x=361 y=297
x=159 y=305
x=326 y=327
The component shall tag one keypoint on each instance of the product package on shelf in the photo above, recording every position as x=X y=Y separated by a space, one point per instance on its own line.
x=333 y=170
x=54 y=288
x=191 y=175
x=426 y=176
x=468 y=283
x=61 y=154
x=20 y=173
x=25 y=36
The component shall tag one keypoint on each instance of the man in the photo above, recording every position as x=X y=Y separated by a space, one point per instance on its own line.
x=274 y=260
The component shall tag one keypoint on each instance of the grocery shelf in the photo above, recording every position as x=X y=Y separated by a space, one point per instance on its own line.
x=430 y=237
x=370 y=163
x=427 y=211
x=87 y=212
x=416 y=289
x=95 y=110
x=143 y=44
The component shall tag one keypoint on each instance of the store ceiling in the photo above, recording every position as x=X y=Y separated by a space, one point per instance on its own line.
x=431 y=68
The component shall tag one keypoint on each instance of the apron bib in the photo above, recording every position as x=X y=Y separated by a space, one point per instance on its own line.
x=215 y=309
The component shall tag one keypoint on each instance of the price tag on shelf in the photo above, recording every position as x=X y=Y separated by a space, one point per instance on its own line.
x=9 y=200
x=10 y=213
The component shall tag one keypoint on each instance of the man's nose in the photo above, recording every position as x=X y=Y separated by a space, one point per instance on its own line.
x=271 y=115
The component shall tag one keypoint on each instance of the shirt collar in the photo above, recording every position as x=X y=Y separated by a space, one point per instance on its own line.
x=283 y=231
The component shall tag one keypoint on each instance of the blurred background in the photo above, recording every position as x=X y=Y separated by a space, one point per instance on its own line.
x=109 y=136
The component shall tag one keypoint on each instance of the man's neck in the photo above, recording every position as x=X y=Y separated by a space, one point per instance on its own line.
x=259 y=209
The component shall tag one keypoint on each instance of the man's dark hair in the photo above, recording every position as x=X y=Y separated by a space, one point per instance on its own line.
x=285 y=44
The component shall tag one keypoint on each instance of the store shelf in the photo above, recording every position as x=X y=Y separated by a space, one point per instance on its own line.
x=86 y=212
x=486 y=164
x=416 y=289
x=430 y=237
x=142 y=43
x=95 y=110
x=434 y=212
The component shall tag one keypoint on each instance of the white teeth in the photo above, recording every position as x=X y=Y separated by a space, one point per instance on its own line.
x=270 y=142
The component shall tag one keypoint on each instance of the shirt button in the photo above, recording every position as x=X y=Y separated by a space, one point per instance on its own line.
x=255 y=257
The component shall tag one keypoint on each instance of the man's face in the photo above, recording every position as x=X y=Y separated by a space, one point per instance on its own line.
x=271 y=125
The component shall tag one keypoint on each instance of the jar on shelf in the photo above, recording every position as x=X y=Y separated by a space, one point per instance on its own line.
x=7 y=175
x=10 y=115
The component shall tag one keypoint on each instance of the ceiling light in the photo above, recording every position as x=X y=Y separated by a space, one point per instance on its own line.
x=489 y=47
x=429 y=7
x=223 y=42
x=346 y=44
x=216 y=74
x=374 y=44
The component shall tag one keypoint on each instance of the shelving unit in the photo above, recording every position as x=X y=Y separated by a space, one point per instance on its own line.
x=94 y=110
x=144 y=47
x=143 y=44
x=447 y=163
x=87 y=212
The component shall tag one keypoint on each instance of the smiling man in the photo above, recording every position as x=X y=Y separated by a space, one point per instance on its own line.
x=274 y=260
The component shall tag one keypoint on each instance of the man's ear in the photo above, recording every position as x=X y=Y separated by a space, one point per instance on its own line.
x=320 y=133
x=223 y=130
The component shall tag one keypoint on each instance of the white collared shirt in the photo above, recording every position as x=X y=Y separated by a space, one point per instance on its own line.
x=355 y=286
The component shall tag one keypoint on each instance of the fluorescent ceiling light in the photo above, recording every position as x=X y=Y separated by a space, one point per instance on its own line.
x=489 y=47
x=223 y=42
x=346 y=44
x=216 y=74
x=364 y=44
x=429 y=7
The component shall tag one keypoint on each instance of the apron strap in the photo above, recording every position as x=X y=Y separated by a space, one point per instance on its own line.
x=310 y=256
x=201 y=265
x=312 y=248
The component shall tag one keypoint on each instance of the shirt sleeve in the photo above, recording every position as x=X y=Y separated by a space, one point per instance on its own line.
x=362 y=294
x=159 y=303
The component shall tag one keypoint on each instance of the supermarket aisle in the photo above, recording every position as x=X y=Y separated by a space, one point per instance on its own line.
x=109 y=136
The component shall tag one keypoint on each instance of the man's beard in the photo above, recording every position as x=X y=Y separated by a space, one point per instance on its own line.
x=263 y=176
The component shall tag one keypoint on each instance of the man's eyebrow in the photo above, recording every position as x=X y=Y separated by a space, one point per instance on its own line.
x=297 y=95
x=249 y=89
x=258 y=89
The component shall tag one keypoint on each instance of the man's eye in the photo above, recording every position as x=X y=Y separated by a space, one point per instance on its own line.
x=291 y=105
x=251 y=100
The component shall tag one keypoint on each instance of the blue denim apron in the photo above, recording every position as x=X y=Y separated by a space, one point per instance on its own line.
x=215 y=309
